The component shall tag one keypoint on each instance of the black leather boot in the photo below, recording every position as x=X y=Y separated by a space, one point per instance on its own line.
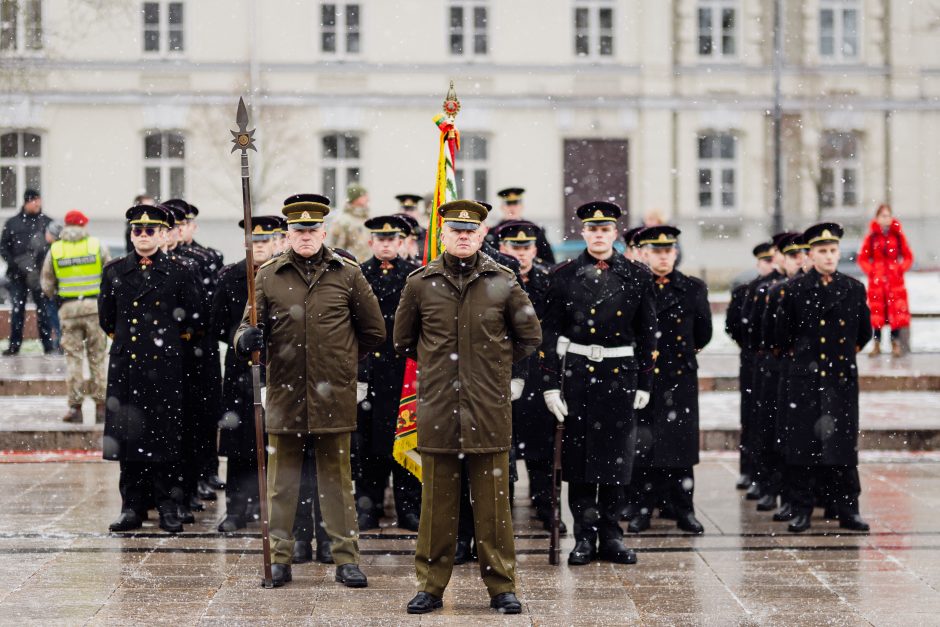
x=767 y=503
x=640 y=522
x=582 y=554
x=424 y=602
x=800 y=523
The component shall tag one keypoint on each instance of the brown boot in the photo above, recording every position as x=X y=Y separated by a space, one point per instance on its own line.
x=74 y=415
x=99 y=413
x=895 y=348
x=875 y=350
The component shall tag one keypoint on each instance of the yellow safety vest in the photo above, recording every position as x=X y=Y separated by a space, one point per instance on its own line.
x=77 y=267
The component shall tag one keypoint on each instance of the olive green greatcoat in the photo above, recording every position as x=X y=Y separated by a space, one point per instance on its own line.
x=313 y=332
x=465 y=330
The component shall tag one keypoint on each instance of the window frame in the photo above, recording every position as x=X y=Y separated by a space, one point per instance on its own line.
x=839 y=164
x=717 y=35
x=165 y=164
x=594 y=31
x=20 y=163
x=839 y=8
x=468 y=30
x=475 y=166
x=341 y=164
x=717 y=166
x=340 y=29
x=163 y=28
x=20 y=47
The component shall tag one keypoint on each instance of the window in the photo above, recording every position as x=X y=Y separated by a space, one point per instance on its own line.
x=163 y=27
x=340 y=28
x=717 y=29
x=164 y=171
x=838 y=30
x=20 y=169
x=467 y=27
x=593 y=28
x=839 y=170
x=717 y=172
x=341 y=164
x=473 y=167
x=20 y=25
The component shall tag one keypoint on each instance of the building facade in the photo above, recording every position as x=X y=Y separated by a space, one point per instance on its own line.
x=661 y=105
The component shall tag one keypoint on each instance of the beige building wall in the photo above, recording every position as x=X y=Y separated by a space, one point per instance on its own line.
x=92 y=95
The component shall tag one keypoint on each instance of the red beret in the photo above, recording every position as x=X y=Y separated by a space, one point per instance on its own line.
x=76 y=218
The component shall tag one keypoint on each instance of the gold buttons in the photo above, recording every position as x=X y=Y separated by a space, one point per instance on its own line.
x=135 y=303
x=593 y=311
x=655 y=370
x=377 y=354
x=619 y=313
x=679 y=371
x=822 y=323
x=822 y=340
x=133 y=356
x=134 y=321
x=590 y=368
x=678 y=338
x=616 y=370
x=822 y=373
x=822 y=356
x=133 y=338
x=593 y=330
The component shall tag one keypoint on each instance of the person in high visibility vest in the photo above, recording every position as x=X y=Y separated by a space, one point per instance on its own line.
x=71 y=274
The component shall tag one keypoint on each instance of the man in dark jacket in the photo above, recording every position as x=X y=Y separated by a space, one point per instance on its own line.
x=822 y=322
x=23 y=247
x=735 y=326
x=315 y=312
x=600 y=342
x=467 y=320
x=668 y=434
x=236 y=419
x=533 y=424
x=381 y=373
x=148 y=305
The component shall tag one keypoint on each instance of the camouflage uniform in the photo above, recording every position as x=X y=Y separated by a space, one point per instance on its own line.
x=347 y=233
x=81 y=334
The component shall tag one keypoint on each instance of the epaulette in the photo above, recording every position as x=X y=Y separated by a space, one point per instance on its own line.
x=416 y=271
x=269 y=261
x=114 y=261
x=563 y=264
x=355 y=264
x=506 y=268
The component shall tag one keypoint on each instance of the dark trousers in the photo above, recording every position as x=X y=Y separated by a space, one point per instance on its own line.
x=540 y=485
x=241 y=485
x=597 y=509
x=48 y=333
x=656 y=487
x=141 y=483
x=837 y=485
x=372 y=479
x=895 y=334
x=465 y=517
x=308 y=521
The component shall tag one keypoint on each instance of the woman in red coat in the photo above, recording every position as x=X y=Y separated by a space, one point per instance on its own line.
x=885 y=257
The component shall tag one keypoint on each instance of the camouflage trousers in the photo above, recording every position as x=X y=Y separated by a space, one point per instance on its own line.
x=82 y=336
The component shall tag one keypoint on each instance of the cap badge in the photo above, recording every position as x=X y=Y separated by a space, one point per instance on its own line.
x=598 y=214
x=145 y=218
x=465 y=215
x=258 y=229
x=387 y=227
x=305 y=215
x=827 y=234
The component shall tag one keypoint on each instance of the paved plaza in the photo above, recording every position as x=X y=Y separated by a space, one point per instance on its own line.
x=59 y=566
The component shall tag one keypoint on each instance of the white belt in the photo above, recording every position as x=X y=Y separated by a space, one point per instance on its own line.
x=594 y=352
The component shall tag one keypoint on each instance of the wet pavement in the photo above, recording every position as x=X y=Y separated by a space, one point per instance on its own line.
x=60 y=566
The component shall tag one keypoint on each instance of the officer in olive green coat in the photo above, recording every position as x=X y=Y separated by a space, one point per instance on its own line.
x=466 y=319
x=315 y=313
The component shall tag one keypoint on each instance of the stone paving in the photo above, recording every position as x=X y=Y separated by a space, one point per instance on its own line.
x=59 y=565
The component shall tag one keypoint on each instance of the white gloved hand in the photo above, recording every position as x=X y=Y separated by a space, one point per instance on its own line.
x=515 y=388
x=641 y=399
x=555 y=404
x=362 y=389
x=264 y=395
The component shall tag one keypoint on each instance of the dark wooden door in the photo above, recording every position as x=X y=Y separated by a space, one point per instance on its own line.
x=595 y=169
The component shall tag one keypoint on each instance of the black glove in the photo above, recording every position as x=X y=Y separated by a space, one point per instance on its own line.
x=251 y=340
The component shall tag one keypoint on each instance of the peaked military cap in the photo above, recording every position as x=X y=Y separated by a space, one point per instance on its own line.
x=764 y=250
x=629 y=236
x=414 y=227
x=388 y=226
x=518 y=233
x=823 y=233
x=179 y=207
x=511 y=195
x=793 y=244
x=280 y=223
x=148 y=215
x=192 y=212
x=663 y=236
x=262 y=227
x=599 y=211
x=408 y=201
x=177 y=213
x=463 y=215
x=779 y=238
x=306 y=210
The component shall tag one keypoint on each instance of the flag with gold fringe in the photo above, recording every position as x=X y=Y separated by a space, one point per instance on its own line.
x=404 y=448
